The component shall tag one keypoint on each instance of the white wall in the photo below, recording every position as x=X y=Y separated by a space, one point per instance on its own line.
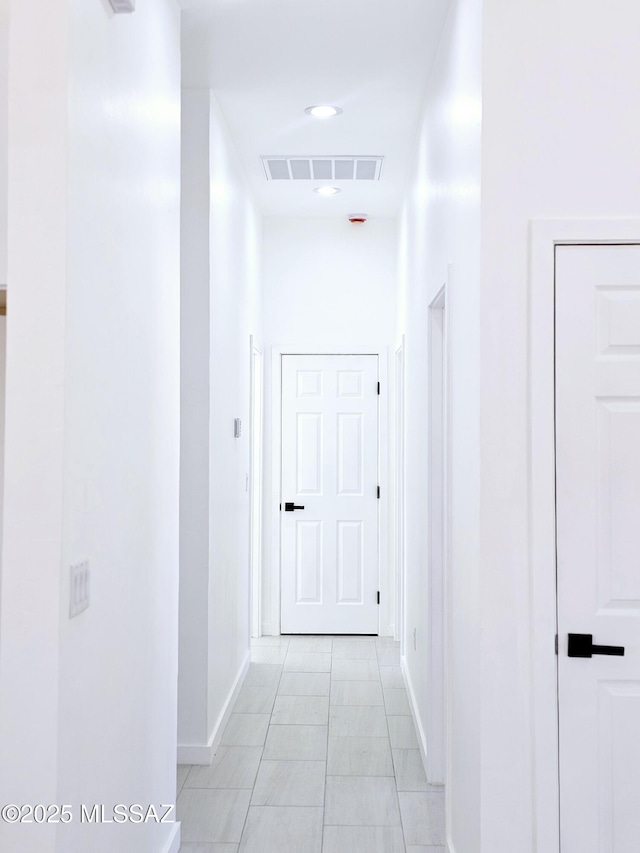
x=88 y=706
x=4 y=93
x=194 y=419
x=221 y=304
x=3 y=373
x=4 y=164
x=328 y=285
x=441 y=227
x=559 y=141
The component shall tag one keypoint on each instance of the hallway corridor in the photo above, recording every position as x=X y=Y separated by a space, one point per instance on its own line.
x=319 y=756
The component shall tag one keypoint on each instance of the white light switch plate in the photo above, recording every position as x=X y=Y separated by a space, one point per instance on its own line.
x=80 y=588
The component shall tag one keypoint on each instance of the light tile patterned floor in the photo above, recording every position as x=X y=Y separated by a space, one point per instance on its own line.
x=320 y=755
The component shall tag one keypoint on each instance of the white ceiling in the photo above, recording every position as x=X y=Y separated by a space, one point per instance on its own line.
x=266 y=60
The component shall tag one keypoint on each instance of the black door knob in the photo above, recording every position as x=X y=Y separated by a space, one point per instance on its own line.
x=581 y=646
x=290 y=506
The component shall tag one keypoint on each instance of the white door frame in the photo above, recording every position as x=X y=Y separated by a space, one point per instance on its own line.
x=438 y=535
x=544 y=236
x=399 y=494
x=385 y=616
x=256 y=421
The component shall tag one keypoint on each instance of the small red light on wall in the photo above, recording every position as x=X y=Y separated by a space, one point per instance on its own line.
x=357 y=218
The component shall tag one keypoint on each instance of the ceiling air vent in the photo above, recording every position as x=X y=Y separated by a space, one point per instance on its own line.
x=326 y=168
x=120 y=6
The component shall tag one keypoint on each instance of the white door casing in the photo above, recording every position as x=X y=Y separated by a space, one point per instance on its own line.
x=437 y=548
x=598 y=544
x=399 y=498
x=255 y=480
x=329 y=553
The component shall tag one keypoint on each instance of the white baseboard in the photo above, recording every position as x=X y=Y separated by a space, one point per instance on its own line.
x=422 y=738
x=173 y=844
x=203 y=753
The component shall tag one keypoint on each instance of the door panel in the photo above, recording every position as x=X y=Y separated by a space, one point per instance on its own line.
x=329 y=568
x=598 y=544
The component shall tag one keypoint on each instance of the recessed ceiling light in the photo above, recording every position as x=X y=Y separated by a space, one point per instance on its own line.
x=323 y=111
x=327 y=190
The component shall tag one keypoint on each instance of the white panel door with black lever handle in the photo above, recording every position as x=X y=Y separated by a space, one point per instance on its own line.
x=598 y=546
x=329 y=518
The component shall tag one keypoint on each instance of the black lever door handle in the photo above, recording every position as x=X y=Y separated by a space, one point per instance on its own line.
x=290 y=506
x=581 y=646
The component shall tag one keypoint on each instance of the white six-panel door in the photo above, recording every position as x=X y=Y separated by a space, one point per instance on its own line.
x=329 y=555
x=598 y=544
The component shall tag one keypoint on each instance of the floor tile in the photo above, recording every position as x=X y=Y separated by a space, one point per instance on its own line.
x=355 y=670
x=359 y=756
x=290 y=783
x=424 y=848
x=267 y=640
x=422 y=818
x=267 y=674
x=212 y=815
x=409 y=770
x=232 y=767
x=296 y=743
x=255 y=699
x=282 y=829
x=396 y=701
x=356 y=693
x=386 y=642
x=363 y=839
x=183 y=772
x=388 y=656
x=402 y=733
x=245 y=730
x=391 y=676
x=301 y=710
x=304 y=684
x=268 y=654
x=307 y=662
x=354 y=649
x=361 y=801
x=354 y=720
x=311 y=644
x=319 y=720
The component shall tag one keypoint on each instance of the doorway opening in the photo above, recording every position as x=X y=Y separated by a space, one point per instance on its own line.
x=437 y=526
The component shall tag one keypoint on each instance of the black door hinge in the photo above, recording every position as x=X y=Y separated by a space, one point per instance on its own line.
x=280 y=507
x=556 y=644
x=378 y=388
x=378 y=596
x=378 y=492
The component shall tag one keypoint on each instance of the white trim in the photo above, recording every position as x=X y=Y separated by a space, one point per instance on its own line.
x=256 y=423
x=173 y=842
x=446 y=295
x=413 y=707
x=399 y=493
x=544 y=236
x=203 y=753
x=385 y=617
x=437 y=524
